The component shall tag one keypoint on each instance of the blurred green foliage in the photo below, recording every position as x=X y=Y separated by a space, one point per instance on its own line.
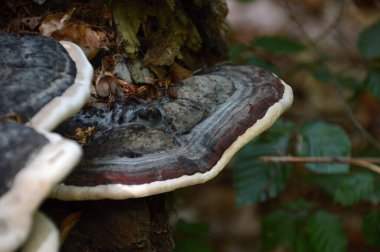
x=277 y=44
x=255 y=181
x=371 y=228
x=299 y=228
x=189 y=237
x=303 y=225
x=318 y=139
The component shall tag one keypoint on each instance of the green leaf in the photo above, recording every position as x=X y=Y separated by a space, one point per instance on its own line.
x=353 y=188
x=324 y=140
x=285 y=228
x=368 y=42
x=371 y=228
x=279 y=229
x=347 y=189
x=255 y=181
x=374 y=197
x=372 y=82
x=326 y=233
x=236 y=50
x=278 y=44
x=260 y=62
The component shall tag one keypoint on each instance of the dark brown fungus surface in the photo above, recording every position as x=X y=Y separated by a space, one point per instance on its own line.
x=31 y=163
x=144 y=149
x=42 y=81
x=12 y=139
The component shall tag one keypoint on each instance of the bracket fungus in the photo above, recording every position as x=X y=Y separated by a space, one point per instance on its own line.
x=42 y=81
x=44 y=236
x=32 y=162
x=142 y=149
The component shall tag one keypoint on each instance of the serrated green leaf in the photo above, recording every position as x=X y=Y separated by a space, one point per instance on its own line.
x=278 y=44
x=368 y=42
x=324 y=140
x=372 y=82
x=354 y=188
x=255 y=181
x=279 y=229
x=347 y=189
x=285 y=228
x=326 y=233
x=371 y=228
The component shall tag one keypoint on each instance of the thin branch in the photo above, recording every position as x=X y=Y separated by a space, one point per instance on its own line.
x=368 y=163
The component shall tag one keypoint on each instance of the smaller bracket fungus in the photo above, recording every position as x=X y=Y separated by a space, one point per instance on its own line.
x=42 y=81
x=32 y=162
x=145 y=149
x=44 y=236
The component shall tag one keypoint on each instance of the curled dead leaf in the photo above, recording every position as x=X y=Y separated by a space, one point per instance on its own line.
x=81 y=34
x=55 y=22
x=179 y=72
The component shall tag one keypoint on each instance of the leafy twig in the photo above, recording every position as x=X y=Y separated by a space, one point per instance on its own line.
x=368 y=163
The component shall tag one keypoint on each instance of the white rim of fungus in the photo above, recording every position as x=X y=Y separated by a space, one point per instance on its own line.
x=32 y=185
x=121 y=191
x=44 y=236
x=73 y=99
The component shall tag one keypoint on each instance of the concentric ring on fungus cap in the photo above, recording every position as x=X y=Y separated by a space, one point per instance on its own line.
x=145 y=149
x=42 y=81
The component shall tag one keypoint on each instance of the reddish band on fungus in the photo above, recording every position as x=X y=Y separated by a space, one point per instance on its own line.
x=144 y=149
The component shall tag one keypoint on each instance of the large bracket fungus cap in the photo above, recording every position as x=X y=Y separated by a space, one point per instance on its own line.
x=31 y=164
x=144 y=149
x=42 y=81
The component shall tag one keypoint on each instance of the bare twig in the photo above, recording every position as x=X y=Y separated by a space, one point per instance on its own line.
x=368 y=163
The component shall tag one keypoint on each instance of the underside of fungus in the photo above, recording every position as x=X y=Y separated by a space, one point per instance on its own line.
x=140 y=149
x=42 y=81
x=32 y=163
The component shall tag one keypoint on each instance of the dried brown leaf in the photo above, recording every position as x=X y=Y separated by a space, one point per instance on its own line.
x=55 y=22
x=179 y=72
